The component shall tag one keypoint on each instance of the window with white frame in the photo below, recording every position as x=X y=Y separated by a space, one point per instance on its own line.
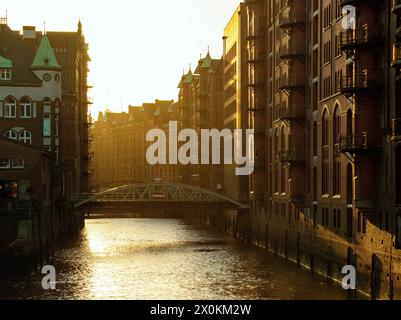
x=47 y=128
x=25 y=108
x=11 y=134
x=25 y=137
x=5 y=74
x=10 y=108
x=5 y=163
x=18 y=163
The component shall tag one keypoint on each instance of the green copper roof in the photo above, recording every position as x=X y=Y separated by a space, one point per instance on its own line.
x=189 y=77
x=207 y=62
x=5 y=63
x=45 y=58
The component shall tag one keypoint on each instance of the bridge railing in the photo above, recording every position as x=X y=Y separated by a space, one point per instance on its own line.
x=159 y=192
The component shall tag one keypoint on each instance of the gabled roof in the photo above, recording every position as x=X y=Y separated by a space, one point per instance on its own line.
x=5 y=63
x=45 y=58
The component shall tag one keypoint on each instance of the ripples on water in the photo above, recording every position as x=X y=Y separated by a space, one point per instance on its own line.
x=168 y=259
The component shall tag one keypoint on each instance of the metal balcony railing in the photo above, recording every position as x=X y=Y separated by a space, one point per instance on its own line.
x=359 y=82
x=291 y=50
x=258 y=56
x=292 y=155
x=291 y=81
x=291 y=112
x=259 y=31
x=353 y=2
x=366 y=35
x=355 y=143
x=258 y=108
x=260 y=161
x=289 y=18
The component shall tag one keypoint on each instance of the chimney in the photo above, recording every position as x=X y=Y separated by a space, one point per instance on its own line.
x=29 y=32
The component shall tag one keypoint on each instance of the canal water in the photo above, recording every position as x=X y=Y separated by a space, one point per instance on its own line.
x=168 y=259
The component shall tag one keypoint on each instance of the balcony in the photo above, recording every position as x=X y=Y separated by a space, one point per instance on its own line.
x=396 y=136
x=256 y=57
x=396 y=61
x=396 y=6
x=292 y=155
x=256 y=109
x=288 y=51
x=359 y=143
x=360 y=83
x=291 y=18
x=256 y=84
x=293 y=112
x=348 y=2
x=258 y=32
x=289 y=82
x=364 y=36
x=260 y=162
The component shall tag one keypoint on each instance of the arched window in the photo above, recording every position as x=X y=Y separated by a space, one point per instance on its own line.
x=325 y=157
x=47 y=105
x=336 y=124
x=349 y=123
x=325 y=129
x=10 y=108
x=276 y=142
x=25 y=137
x=25 y=108
x=11 y=134
x=282 y=139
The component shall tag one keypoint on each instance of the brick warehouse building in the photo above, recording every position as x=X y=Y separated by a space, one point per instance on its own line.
x=120 y=138
x=324 y=102
x=43 y=107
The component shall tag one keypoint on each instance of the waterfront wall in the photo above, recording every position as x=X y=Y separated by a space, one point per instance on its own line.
x=31 y=240
x=326 y=253
x=316 y=249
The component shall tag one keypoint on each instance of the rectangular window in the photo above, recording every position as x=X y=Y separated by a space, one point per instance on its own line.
x=25 y=110
x=18 y=163
x=46 y=125
x=10 y=110
x=5 y=74
x=5 y=163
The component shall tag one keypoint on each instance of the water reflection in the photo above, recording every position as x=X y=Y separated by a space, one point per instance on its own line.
x=168 y=259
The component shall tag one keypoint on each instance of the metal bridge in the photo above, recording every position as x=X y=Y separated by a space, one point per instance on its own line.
x=170 y=195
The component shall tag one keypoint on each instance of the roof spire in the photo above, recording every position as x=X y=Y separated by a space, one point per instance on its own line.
x=44 y=27
x=45 y=58
x=79 y=25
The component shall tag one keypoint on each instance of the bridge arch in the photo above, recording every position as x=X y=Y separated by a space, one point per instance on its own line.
x=155 y=192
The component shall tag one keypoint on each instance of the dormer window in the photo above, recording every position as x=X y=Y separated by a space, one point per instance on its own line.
x=5 y=74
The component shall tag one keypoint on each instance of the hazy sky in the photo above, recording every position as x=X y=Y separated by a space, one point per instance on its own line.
x=138 y=48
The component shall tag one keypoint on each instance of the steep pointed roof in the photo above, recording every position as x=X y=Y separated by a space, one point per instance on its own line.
x=5 y=63
x=207 y=62
x=45 y=58
x=189 y=77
